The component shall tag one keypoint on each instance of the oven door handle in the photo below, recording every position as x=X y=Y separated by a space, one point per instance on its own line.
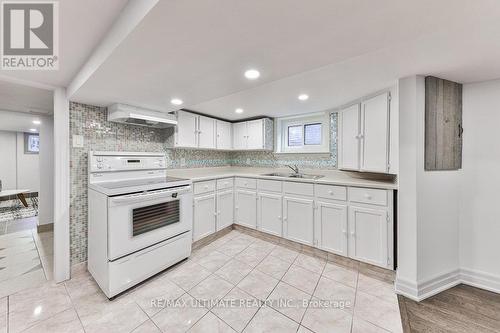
x=130 y=198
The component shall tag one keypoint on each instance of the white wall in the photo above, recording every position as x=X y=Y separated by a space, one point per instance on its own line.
x=46 y=162
x=28 y=171
x=20 y=170
x=480 y=199
x=428 y=204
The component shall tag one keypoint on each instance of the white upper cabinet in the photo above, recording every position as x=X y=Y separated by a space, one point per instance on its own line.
x=224 y=135
x=206 y=132
x=194 y=131
x=197 y=131
x=186 y=134
x=375 y=131
x=240 y=136
x=364 y=135
x=349 y=132
x=253 y=135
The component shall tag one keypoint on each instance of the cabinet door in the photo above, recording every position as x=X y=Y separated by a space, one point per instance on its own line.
x=186 y=130
x=375 y=134
x=246 y=208
x=298 y=217
x=255 y=136
x=331 y=227
x=269 y=211
x=225 y=209
x=368 y=235
x=349 y=127
x=224 y=137
x=204 y=216
x=240 y=135
x=206 y=132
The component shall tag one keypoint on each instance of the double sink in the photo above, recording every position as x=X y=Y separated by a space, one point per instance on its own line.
x=293 y=175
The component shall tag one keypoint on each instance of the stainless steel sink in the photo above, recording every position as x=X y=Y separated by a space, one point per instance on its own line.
x=293 y=175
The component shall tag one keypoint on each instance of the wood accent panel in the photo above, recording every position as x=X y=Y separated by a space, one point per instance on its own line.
x=459 y=309
x=443 y=124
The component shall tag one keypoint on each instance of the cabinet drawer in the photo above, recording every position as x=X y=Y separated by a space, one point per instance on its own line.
x=368 y=196
x=269 y=185
x=331 y=192
x=298 y=188
x=249 y=183
x=225 y=183
x=204 y=187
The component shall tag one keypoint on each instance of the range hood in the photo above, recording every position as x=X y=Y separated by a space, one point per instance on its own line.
x=132 y=115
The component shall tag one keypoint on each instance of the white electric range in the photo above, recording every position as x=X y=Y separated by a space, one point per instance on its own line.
x=139 y=219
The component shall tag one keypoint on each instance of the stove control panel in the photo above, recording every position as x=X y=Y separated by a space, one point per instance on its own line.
x=102 y=162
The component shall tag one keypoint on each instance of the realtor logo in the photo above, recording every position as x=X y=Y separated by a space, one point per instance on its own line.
x=30 y=35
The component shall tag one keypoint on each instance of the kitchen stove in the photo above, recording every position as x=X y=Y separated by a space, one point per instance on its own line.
x=140 y=220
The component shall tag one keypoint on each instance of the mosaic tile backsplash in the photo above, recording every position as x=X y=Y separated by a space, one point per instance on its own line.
x=99 y=134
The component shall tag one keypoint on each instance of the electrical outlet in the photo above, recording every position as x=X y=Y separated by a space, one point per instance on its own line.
x=183 y=162
x=77 y=141
x=248 y=161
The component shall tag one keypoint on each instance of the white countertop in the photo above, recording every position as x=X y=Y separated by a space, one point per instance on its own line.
x=331 y=177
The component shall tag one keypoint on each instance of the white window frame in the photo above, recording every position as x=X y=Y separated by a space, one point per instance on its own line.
x=283 y=123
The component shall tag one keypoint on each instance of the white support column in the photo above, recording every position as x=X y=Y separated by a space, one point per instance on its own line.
x=61 y=186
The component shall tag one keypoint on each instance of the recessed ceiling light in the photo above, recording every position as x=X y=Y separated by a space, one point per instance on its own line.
x=303 y=97
x=239 y=110
x=252 y=74
x=33 y=129
x=176 y=101
x=37 y=122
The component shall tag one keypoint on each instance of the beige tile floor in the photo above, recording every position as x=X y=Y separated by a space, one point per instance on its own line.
x=238 y=283
x=26 y=260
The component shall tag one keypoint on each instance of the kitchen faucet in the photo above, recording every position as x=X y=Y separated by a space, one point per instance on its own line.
x=295 y=168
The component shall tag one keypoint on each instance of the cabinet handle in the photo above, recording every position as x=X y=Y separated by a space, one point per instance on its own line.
x=330 y=192
x=285 y=218
x=353 y=234
x=344 y=232
x=279 y=217
x=367 y=196
x=218 y=213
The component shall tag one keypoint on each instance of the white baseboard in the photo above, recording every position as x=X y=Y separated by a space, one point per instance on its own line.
x=480 y=280
x=430 y=287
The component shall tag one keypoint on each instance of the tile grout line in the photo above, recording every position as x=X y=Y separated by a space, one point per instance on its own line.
x=74 y=307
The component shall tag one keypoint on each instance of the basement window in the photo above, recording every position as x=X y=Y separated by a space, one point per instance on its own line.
x=303 y=134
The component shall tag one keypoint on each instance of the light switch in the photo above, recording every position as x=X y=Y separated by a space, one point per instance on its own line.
x=77 y=141
x=183 y=162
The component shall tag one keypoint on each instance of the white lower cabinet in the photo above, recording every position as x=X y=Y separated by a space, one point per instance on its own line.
x=246 y=208
x=269 y=209
x=203 y=216
x=225 y=209
x=298 y=218
x=331 y=227
x=368 y=235
x=348 y=221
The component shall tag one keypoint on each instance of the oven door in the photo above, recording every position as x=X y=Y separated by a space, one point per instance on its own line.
x=136 y=221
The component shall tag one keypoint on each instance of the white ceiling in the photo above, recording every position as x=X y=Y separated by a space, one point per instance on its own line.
x=82 y=24
x=334 y=50
x=23 y=98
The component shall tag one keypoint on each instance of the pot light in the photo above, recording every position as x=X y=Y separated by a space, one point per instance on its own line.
x=33 y=129
x=176 y=101
x=37 y=122
x=239 y=110
x=252 y=74
x=303 y=97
